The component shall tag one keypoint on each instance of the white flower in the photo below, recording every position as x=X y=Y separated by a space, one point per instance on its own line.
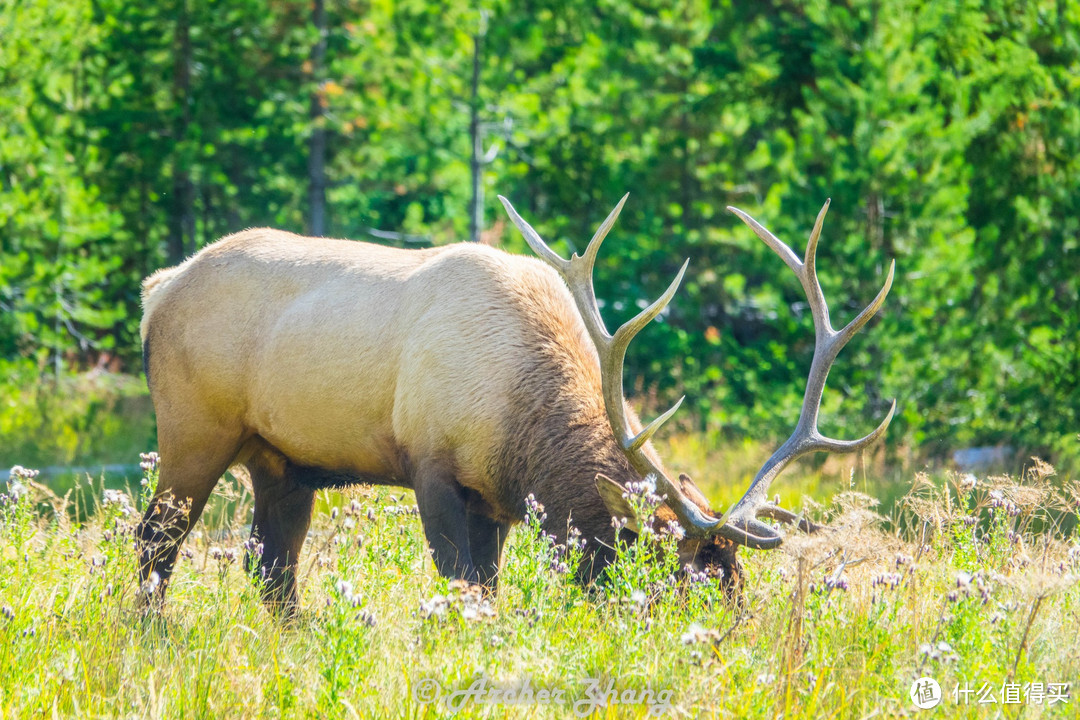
x=152 y=583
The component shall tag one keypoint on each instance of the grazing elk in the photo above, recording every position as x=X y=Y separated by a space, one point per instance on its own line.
x=470 y=375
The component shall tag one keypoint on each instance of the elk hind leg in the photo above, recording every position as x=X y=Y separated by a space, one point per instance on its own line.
x=193 y=458
x=283 y=507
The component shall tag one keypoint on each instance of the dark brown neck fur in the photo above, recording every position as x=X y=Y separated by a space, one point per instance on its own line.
x=558 y=437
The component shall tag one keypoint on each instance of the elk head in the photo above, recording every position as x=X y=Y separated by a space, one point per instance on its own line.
x=710 y=536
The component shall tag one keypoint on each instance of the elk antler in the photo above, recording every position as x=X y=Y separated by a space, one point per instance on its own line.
x=577 y=272
x=741 y=524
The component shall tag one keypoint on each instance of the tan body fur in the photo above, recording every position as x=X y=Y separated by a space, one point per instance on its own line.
x=463 y=372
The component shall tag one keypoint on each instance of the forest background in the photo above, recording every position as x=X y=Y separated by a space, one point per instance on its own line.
x=946 y=134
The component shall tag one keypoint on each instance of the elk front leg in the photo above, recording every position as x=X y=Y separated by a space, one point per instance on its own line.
x=486 y=539
x=442 y=504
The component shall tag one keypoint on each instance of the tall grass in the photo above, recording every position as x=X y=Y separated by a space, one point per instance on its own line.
x=972 y=582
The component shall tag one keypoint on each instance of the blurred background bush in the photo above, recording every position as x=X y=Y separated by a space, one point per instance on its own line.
x=946 y=134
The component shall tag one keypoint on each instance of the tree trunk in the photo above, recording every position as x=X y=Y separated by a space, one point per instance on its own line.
x=476 y=160
x=182 y=212
x=317 y=146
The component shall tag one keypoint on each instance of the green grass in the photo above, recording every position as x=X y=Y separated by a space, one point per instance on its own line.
x=833 y=626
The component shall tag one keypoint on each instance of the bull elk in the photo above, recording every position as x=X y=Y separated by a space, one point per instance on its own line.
x=472 y=376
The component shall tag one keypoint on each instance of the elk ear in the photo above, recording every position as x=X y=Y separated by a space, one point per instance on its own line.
x=611 y=493
x=691 y=491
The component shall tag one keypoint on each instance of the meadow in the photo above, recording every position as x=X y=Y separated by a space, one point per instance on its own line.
x=971 y=581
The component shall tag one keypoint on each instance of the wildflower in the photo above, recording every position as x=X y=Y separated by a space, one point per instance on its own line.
x=694 y=576
x=998 y=500
x=345 y=592
x=559 y=566
x=574 y=540
x=643 y=493
x=152 y=583
x=20 y=473
x=618 y=523
x=333 y=513
x=941 y=651
x=697 y=634
x=17 y=480
x=970 y=585
x=149 y=461
x=1040 y=470
x=836 y=581
x=225 y=556
x=7 y=612
x=435 y=607
x=535 y=509
x=16 y=490
x=886 y=580
x=120 y=499
x=253 y=547
x=638 y=598
x=674 y=529
x=466 y=600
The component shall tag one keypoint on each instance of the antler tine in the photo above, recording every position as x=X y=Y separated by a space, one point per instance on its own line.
x=533 y=239
x=779 y=246
x=869 y=311
x=808 y=275
x=611 y=349
x=593 y=247
x=750 y=532
x=806 y=438
x=786 y=516
x=845 y=447
x=627 y=331
x=635 y=443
